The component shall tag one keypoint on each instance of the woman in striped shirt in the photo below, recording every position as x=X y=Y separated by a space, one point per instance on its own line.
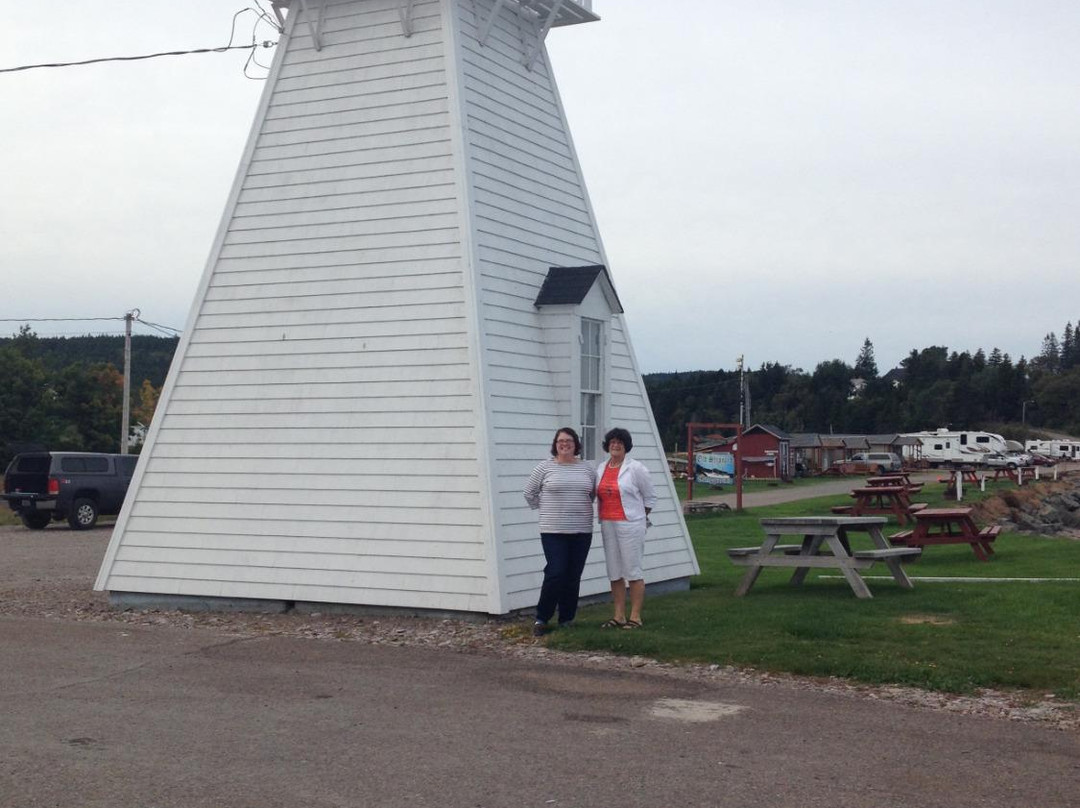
x=563 y=489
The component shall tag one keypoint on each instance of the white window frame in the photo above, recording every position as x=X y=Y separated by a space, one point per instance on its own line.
x=591 y=389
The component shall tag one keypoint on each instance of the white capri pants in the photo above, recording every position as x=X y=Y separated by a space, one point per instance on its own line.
x=624 y=545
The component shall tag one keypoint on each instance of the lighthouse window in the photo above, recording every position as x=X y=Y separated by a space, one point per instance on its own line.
x=591 y=355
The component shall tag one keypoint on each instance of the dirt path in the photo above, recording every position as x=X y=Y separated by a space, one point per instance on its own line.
x=790 y=493
x=830 y=486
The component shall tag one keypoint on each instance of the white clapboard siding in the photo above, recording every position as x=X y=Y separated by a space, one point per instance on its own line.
x=531 y=212
x=327 y=359
x=365 y=382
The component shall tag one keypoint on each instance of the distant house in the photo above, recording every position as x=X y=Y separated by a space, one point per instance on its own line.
x=765 y=452
x=816 y=452
x=895 y=377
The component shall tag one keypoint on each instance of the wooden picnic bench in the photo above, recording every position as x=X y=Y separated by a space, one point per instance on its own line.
x=895 y=479
x=821 y=533
x=1017 y=475
x=948 y=526
x=882 y=499
x=966 y=473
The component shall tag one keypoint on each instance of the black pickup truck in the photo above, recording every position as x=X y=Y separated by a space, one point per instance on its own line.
x=78 y=486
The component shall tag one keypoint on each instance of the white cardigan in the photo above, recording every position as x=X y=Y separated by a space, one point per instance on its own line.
x=635 y=488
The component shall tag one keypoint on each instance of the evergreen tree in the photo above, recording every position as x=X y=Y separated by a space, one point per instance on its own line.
x=1070 y=347
x=1049 y=357
x=865 y=366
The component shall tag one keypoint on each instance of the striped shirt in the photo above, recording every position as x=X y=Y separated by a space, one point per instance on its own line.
x=564 y=494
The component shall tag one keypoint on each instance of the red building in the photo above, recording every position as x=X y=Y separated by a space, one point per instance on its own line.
x=766 y=452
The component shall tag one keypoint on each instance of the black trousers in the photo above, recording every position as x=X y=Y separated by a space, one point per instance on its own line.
x=565 y=554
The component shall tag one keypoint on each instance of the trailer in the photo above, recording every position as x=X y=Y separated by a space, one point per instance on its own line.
x=945 y=447
x=1057 y=449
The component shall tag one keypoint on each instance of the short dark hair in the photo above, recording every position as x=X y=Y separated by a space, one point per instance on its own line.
x=569 y=431
x=621 y=435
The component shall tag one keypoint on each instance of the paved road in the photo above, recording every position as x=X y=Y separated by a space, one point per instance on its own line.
x=115 y=714
x=783 y=492
x=826 y=486
x=105 y=715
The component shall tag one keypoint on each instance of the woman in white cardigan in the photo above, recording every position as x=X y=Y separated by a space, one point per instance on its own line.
x=625 y=496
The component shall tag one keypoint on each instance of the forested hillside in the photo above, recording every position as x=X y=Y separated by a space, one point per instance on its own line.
x=933 y=388
x=66 y=393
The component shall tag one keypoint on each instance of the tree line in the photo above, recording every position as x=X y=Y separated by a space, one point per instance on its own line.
x=66 y=393
x=932 y=388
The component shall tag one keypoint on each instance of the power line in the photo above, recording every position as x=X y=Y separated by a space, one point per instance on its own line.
x=56 y=319
x=266 y=44
x=260 y=14
x=167 y=330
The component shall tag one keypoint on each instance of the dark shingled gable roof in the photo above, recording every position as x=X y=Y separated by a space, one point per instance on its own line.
x=569 y=285
x=775 y=431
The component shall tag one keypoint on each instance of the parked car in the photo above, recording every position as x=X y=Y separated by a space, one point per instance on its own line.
x=77 y=486
x=1011 y=460
x=872 y=463
x=1038 y=459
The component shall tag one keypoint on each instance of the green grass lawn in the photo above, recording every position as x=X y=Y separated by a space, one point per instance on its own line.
x=954 y=637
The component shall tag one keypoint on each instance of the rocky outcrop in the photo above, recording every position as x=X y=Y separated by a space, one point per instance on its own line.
x=1048 y=509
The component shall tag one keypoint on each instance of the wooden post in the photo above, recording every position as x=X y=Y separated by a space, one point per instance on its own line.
x=689 y=462
x=959 y=484
x=125 y=416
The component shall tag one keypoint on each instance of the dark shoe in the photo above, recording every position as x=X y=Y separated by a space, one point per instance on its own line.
x=632 y=624
x=539 y=629
x=613 y=623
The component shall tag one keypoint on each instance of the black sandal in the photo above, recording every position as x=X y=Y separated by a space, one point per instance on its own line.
x=632 y=624
x=613 y=623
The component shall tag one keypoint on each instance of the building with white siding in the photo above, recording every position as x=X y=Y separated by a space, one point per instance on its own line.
x=370 y=370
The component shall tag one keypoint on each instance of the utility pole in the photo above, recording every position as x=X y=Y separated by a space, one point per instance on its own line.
x=742 y=392
x=126 y=417
x=1023 y=411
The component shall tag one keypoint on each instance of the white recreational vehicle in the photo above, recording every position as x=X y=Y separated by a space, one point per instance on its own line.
x=1057 y=449
x=945 y=447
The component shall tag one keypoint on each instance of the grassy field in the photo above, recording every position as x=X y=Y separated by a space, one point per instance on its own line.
x=955 y=637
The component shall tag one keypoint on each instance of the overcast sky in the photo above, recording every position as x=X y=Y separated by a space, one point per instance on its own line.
x=778 y=180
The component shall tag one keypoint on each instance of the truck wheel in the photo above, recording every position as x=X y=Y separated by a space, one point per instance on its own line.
x=880 y=469
x=84 y=514
x=36 y=520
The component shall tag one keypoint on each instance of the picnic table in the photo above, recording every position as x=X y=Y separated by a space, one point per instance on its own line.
x=881 y=499
x=1012 y=473
x=967 y=473
x=899 y=478
x=820 y=533
x=948 y=526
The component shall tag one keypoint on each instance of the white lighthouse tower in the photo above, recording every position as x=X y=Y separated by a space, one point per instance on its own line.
x=406 y=297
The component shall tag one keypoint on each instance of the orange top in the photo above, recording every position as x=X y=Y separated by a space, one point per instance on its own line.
x=607 y=493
